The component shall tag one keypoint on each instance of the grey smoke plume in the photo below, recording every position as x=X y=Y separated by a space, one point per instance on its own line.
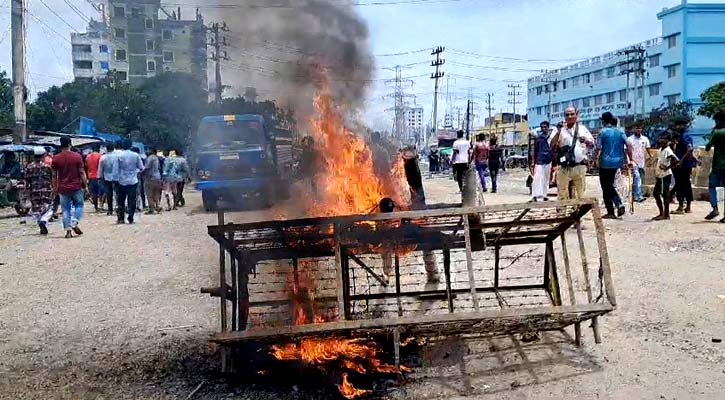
x=280 y=47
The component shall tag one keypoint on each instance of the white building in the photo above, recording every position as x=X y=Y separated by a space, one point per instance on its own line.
x=90 y=52
x=414 y=122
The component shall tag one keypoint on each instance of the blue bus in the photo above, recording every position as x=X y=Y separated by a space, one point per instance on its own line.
x=237 y=160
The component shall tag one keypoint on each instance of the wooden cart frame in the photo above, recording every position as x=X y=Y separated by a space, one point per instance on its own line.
x=470 y=231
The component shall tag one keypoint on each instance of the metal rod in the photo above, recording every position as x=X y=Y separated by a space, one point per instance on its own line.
x=346 y=284
x=587 y=282
x=396 y=344
x=222 y=277
x=570 y=285
x=469 y=261
x=447 y=273
x=551 y=277
x=368 y=269
x=397 y=285
x=496 y=266
x=339 y=273
x=235 y=286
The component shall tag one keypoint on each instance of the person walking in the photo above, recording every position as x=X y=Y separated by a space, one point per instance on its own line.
x=717 y=173
x=611 y=146
x=683 y=171
x=639 y=145
x=542 y=164
x=70 y=181
x=434 y=159
x=93 y=161
x=185 y=175
x=39 y=180
x=570 y=146
x=141 y=199
x=128 y=165
x=666 y=159
x=170 y=178
x=152 y=181
x=107 y=171
x=495 y=161
x=480 y=156
x=461 y=158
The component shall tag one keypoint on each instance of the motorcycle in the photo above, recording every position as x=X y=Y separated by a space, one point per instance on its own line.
x=17 y=194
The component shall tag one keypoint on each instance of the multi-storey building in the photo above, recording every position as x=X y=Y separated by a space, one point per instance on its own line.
x=414 y=122
x=139 y=45
x=688 y=58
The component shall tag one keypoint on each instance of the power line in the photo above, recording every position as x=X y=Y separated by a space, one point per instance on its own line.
x=40 y=21
x=77 y=11
x=290 y=6
x=505 y=58
x=57 y=15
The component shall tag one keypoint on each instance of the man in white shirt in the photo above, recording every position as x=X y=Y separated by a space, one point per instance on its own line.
x=461 y=158
x=639 y=145
x=571 y=169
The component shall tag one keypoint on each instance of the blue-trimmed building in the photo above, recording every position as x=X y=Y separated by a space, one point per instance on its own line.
x=688 y=58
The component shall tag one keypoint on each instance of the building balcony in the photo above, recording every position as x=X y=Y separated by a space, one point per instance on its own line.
x=83 y=56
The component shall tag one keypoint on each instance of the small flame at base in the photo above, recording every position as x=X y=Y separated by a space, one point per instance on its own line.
x=350 y=391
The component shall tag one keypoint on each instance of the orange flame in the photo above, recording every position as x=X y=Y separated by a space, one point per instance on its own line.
x=346 y=179
x=348 y=390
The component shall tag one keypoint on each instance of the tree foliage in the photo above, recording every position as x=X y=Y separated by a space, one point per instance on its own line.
x=713 y=100
x=162 y=111
x=659 y=119
x=7 y=115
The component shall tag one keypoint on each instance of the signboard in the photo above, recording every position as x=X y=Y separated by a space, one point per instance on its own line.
x=594 y=112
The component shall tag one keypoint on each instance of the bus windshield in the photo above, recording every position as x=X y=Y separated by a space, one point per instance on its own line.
x=230 y=134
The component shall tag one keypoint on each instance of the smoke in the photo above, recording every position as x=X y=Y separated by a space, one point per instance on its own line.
x=284 y=48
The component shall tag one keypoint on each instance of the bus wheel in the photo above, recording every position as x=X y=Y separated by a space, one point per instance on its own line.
x=208 y=199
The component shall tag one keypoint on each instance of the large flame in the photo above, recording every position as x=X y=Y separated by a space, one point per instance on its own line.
x=346 y=180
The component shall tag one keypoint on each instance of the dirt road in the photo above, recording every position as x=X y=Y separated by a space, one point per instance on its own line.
x=117 y=314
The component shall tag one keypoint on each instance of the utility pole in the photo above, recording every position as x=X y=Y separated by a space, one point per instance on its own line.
x=437 y=63
x=17 y=23
x=635 y=65
x=514 y=93
x=489 y=107
x=218 y=41
x=554 y=82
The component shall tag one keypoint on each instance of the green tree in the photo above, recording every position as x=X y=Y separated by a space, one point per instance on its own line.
x=7 y=114
x=713 y=100
x=173 y=104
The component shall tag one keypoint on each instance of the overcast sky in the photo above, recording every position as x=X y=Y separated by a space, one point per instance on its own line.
x=487 y=42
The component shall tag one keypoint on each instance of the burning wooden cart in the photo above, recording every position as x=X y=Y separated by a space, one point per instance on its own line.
x=505 y=269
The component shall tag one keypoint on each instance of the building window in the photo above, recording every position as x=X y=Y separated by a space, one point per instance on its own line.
x=104 y=65
x=539 y=90
x=120 y=55
x=654 y=90
x=672 y=70
x=653 y=61
x=135 y=11
x=672 y=99
x=82 y=48
x=151 y=66
x=563 y=84
x=149 y=23
x=586 y=78
x=575 y=81
x=167 y=35
x=623 y=95
x=597 y=76
x=554 y=86
x=671 y=41
x=575 y=103
x=640 y=92
x=168 y=56
x=149 y=44
x=103 y=48
x=119 y=33
x=598 y=100
x=610 y=97
x=122 y=75
x=83 y=64
x=538 y=110
x=555 y=107
x=119 y=12
x=611 y=71
x=586 y=102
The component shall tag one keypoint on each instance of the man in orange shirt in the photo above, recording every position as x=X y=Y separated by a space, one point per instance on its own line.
x=92 y=161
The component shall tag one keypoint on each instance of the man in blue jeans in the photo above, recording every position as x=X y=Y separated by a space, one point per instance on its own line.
x=717 y=174
x=70 y=182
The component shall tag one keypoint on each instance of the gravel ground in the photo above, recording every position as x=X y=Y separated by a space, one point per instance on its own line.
x=117 y=314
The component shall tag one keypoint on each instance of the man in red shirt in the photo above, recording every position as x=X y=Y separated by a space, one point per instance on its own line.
x=92 y=161
x=69 y=178
x=480 y=155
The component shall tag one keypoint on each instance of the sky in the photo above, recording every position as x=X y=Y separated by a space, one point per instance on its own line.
x=489 y=44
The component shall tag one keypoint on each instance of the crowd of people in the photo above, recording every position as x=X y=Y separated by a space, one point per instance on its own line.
x=121 y=179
